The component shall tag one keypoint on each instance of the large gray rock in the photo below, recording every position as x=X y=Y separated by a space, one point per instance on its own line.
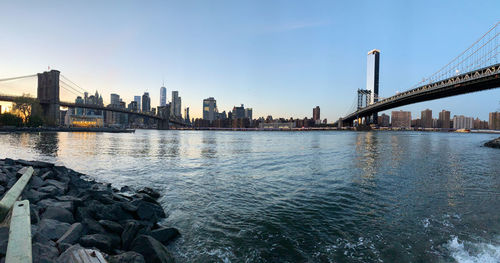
x=149 y=211
x=36 y=182
x=72 y=235
x=99 y=241
x=51 y=189
x=111 y=226
x=149 y=191
x=92 y=226
x=165 y=234
x=63 y=187
x=152 y=250
x=75 y=252
x=4 y=239
x=52 y=229
x=59 y=214
x=3 y=179
x=45 y=203
x=129 y=233
x=127 y=257
x=35 y=164
x=44 y=253
x=113 y=212
x=34 y=196
x=493 y=143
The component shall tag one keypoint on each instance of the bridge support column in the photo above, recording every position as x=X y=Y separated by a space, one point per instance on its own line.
x=163 y=125
x=164 y=113
x=48 y=96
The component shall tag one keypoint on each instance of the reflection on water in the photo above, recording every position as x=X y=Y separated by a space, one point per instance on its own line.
x=299 y=196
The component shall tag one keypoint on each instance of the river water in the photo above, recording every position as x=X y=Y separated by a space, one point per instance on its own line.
x=325 y=196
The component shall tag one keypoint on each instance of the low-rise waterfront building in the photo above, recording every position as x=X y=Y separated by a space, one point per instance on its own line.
x=277 y=125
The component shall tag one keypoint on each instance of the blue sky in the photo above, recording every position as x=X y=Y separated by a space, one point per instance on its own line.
x=279 y=57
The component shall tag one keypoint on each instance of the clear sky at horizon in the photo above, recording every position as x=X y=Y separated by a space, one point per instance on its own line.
x=281 y=58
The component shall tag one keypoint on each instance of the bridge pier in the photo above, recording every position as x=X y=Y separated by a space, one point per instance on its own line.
x=48 y=96
x=164 y=113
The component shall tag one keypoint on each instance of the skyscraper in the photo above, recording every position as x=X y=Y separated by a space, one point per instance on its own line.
x=146 y=102
x=444 y=119
x=248 y=113
x=138 y=100
x=175 y=104
x=209 y=109
x=316 y=114
x=186 y=114
x=163 y=96
x=115 y=99
x=372 y=72
x=239 y=112
x=426 y=118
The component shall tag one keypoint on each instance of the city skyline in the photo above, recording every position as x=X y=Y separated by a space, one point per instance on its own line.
x=327 y=75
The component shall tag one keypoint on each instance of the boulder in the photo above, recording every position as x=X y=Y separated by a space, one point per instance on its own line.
x=111 y=226
x=113 y=212
x=3 y=179
x=63 y=187
x=129 y=233
x=149 y=211
x=45 y=203
x=63 y=247
x=72 y=235
x=47 y=175
x=35 y=164
x=152 y=250
x=149 y=191
x=99 y=241
x=92 y=226
x=59 y=214
x=125 y=188
x=76 y=254
x=495 y=143
x=52 y=229
x=51 y=190
x=34 y=217
x=127 y=257
x=35 y=182
x=165 y=234
x=34 y=196
x=4 y=239
x=44 y=253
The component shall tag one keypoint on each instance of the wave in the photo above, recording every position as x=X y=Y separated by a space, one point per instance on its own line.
x=470 y=252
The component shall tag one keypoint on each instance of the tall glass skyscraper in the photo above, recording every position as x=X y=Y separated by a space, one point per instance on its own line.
x=372 y=71
x=163 y=96
x=138 y=100
x=209 y=109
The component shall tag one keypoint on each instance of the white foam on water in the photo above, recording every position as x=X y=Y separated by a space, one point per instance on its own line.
x=470 y=252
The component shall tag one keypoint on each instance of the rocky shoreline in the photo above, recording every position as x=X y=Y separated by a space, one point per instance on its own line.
x=495 y=143
x=70 y=211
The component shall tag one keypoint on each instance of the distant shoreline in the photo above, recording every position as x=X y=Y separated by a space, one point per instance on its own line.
x=310 y=129
x=48 y=129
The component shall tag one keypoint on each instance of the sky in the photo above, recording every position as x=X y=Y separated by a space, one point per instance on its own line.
x=281 y=58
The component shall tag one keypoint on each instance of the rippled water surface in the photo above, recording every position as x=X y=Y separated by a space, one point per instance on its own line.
x=301 y=196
